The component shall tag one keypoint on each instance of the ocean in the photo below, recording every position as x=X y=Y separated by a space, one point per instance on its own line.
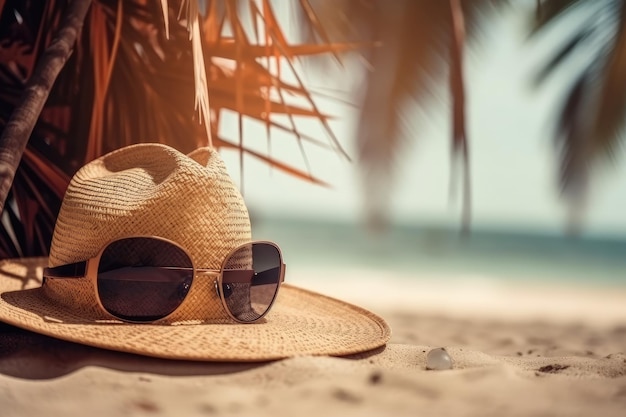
x=435 y=252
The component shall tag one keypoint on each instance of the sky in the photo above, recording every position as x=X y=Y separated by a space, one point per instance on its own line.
x=513 y=160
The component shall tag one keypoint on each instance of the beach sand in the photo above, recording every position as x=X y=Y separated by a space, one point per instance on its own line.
x=517 y=351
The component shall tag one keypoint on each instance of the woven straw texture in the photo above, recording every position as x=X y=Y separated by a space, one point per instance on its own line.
x=152 y=189
x=300 y=323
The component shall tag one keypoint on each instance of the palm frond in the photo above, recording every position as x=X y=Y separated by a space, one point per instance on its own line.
x=593 y=114
x=414 y=52
x=26 y=191
x=549 y=11
x=135 y=77
x=611 y=109
x=34 y=202
x=275 y=163
x=563 y=53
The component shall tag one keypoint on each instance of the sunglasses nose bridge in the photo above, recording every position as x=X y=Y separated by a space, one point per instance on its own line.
x=216 y=285
x=201 y=302
x=209 y=274
x=221 y=290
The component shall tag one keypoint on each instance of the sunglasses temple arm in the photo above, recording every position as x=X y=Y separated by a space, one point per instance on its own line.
x=268 y=277
x=261 y=278
x=75 y=270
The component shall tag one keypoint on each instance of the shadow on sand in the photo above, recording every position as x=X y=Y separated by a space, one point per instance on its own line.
x=29 y=355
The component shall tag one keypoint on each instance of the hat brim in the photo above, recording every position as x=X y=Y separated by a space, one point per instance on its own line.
x=301 y=323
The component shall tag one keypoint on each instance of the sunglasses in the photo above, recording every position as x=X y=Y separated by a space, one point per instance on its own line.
x=145 y=279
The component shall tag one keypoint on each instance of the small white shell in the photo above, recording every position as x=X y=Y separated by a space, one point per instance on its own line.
x=438 y=359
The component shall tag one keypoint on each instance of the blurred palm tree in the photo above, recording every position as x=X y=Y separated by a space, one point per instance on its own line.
x=592 y=116
x=423 y=39
x=421 y=42
x=131 y=78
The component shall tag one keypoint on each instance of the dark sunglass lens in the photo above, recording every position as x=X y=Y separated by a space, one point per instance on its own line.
x=143 y=279
x=250 y=280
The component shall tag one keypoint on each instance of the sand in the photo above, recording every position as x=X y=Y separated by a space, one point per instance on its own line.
x=518 y=351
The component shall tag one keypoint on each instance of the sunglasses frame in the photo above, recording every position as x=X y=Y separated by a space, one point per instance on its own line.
x=89 y=269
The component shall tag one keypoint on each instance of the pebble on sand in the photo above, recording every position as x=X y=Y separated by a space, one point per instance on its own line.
x=438 y=359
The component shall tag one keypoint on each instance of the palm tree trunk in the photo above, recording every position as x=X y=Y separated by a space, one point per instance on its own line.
x=457 y=87
x=18 y=129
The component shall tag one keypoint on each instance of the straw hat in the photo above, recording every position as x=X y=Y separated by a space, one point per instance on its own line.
x=152 y=189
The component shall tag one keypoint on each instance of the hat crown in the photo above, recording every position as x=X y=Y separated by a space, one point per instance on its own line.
x=152 y=189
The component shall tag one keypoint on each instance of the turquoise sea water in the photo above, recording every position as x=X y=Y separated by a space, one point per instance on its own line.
x=426 y=251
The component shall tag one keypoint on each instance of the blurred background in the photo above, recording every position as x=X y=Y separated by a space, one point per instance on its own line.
x=521 y=224
x=461 y=142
